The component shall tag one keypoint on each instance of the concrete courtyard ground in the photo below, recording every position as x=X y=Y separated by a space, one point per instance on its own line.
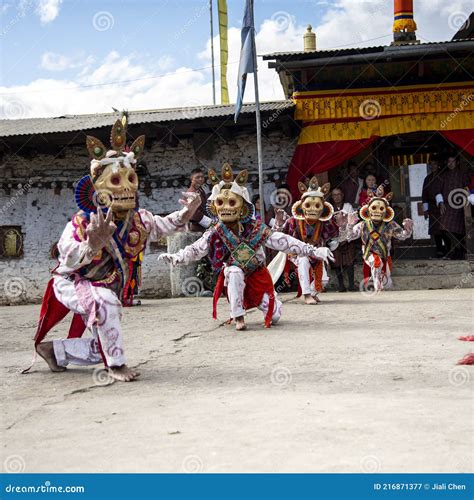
x=356 y=384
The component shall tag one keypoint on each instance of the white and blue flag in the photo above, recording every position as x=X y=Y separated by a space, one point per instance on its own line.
x=246 y=64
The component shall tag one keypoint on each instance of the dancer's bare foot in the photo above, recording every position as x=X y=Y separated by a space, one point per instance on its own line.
x=240 y=324
x=317 y=299
x=46 y=351
x=123 y=373
x=309 y=299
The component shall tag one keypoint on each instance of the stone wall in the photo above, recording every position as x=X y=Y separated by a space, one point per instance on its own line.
x=42 y=210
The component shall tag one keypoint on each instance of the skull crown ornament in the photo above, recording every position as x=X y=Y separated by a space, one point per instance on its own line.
x=377 y=208
x=229 y=201
x=312 y=207
x=112 y=172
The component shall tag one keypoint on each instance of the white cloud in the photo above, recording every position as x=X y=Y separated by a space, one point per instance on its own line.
x=48 y=10
x=354 y=23
x=52 y=61
x=345 y=22
x=4 y=8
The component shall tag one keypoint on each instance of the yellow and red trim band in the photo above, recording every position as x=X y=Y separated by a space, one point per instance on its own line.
x=384 y=102
x=363 y=129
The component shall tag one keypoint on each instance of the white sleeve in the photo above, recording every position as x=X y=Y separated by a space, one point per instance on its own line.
x=353 y=232
x=73 y=254
x=425 y=207
x=400 y=233
x=439 y=199
x=196 y=251
x=162 y=226
x=287 y=244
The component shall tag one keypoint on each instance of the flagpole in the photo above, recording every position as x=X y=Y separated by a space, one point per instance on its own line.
x=212 y=56
x=258 y=122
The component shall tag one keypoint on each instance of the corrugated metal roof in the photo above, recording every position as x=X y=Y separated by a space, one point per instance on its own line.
x=356 y=50
x=314 y=53
x=73 y=123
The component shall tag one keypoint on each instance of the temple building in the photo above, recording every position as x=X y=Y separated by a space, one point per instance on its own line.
x=390 y=107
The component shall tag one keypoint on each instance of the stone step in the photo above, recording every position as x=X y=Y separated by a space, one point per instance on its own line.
x=433 y=282
x=428 y=267
x=422 y=275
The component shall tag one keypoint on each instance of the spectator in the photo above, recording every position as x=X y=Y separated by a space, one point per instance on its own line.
x=369 y=169
x=370 y=184
x=431 y=187
x=451 y=206
x=200 y=221
x=269 y=211
x=345 y=253
x=352 y=185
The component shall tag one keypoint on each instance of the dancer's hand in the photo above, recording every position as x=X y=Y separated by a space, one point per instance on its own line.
x=100 y=230
x=323 y=254
x=280 y=217
x=442 y=208
x=341 y=219
x=408 y=225
x=168 y=258
x=190 y=202
x=352 y=218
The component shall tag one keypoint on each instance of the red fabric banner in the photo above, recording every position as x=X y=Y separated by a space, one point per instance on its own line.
x=310 y=159
x=52 y=312
x=464 y=139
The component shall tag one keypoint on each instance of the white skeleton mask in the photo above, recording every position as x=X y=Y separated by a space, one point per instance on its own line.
x=228 y=206
x=116 y=187
x=313 y=207
x=377 y=210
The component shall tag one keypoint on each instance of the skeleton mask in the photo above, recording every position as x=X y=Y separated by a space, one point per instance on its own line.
x=228 y=206
x=229 y=200
x=312 y=208
x=116 y=188
x=377 y=210
x=113 y=171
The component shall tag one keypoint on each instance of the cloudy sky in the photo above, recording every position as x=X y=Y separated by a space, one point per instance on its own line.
x=69 y=56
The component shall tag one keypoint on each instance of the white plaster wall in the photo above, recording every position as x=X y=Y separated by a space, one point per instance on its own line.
x=42 y=214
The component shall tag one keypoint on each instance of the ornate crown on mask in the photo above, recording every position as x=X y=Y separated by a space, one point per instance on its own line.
x=120 y=154
x=236 y=186
x=378 y=194
x=312 y=189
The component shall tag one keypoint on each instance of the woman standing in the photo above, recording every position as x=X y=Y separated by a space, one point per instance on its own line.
x=370 y=184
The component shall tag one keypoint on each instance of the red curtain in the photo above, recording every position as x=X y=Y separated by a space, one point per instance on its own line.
x=464 y=139
x=315 y=158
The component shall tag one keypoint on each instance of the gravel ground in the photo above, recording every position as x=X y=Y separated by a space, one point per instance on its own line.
x=356 y=384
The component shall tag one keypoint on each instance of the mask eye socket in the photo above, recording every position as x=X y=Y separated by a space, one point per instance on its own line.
x=307 y=205
x=132 y=178
x=115 y=180
x=219 y=202
x=232 y=203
